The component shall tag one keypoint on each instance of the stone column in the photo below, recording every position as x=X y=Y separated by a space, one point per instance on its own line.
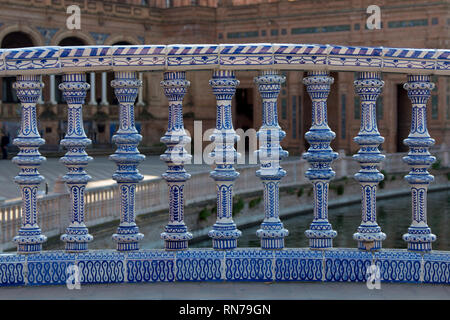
x=368 y=87
x=270 y=153
x=92 y=101
x=320 y=155
x=175 y=235
x=104 y=101
x=224 y=233
x=419 y=236
x=74 y=89
x=127 y=159
x=29 y=238
x=52 y=89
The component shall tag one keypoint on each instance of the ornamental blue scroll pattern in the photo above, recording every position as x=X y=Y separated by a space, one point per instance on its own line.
x=320 y=155
x=127 y=159
x=175 y=235
x=368 y=87
x=419 y=237
x=74 y=89
x=224 y=233
x=270 y=153
x=29 y=238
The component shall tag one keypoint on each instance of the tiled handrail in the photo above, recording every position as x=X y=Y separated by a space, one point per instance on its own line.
x=261 y=56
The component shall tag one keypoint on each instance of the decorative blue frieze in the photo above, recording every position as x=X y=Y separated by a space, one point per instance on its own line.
x=346 y=265
x=419 y=236
x=127 y=158
x=74 y=89
x=399 y=265
x=150 y=266
x=249 y=264
x=175 y=235
x=101 y=266
x=224 y=233
x=436 y=267
x=298 y=265
x=199 y=265
x=320 y=155
x=368 y=87
x=29 y=238
x=270 y=153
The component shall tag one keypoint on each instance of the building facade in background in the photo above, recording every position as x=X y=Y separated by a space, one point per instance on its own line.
x=404 y=23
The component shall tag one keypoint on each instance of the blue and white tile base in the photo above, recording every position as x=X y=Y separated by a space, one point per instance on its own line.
x=242 y=264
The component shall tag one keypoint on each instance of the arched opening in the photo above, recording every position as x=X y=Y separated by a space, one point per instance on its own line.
x=13 y=40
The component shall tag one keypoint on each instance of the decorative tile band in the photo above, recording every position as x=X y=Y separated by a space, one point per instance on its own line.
x=242 y=264
x=263 y=56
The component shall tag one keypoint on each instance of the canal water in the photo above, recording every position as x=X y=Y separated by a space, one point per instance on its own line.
x=393 y=216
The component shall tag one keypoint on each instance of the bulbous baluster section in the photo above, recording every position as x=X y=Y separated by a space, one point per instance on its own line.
x=320 y=155
x=368 y=87
x=74 y=89
x=224 y=233
x=175 y=235
x=419 y=236
x=29 y=238
x=127 y=158
x=270 y=153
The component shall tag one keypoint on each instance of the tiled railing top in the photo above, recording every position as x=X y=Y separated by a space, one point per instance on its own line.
x=53 y=60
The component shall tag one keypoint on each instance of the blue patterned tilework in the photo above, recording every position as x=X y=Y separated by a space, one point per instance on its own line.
x=300 y=56
x=88 y=58
x=200 y=265
x=104 y=266
x=245 y=56
x=399 y=265
x=44 y=60
x=183 y=57
x=346 y=265
x=241 y=264
x=403 y=60
x=249 y=265
x=298 y=265
x=355 y=58
x=12 y=268
x=33 y=60
x=436 y=267
x=151 y=266
x=138 y=57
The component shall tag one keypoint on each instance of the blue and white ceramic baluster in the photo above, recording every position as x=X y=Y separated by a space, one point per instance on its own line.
x=270 y=153
x=224 y=233
x=419 y=236
x=29 y=238
x=127 y=158
x=368 y=87
x=320 y=155
x=175 y=235
x=74 y=89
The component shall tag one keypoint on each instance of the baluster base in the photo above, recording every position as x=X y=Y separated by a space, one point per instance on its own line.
x=369 y=237
x=320 y=235
x=76 y=239
x=127 y=238
x=272 y=235
x=224 y=236
x=176 y=237
x=419 y=238
x=29 y=241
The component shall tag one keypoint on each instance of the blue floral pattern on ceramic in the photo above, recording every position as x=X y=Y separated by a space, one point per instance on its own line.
x=320 y=155
x=368 y=87
x=224 y=233
x=419 y=236
x=74 y=89
x=29 y=238
x=270 y=153
x=175 y=235
x=127 y=158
